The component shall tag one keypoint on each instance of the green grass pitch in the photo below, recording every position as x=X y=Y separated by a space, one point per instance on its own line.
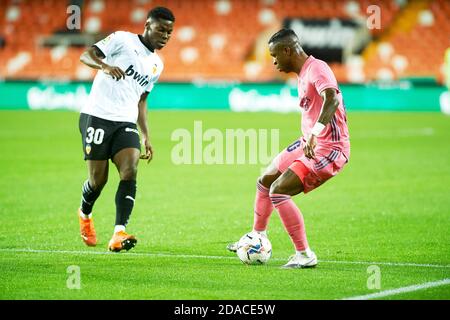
x=390 y=207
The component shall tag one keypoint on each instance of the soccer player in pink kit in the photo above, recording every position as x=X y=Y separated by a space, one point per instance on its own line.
x=319 y=154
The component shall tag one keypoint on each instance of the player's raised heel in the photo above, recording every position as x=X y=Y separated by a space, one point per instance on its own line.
x=122 y=241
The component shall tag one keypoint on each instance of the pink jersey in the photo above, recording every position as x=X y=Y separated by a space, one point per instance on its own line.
x=314 y=77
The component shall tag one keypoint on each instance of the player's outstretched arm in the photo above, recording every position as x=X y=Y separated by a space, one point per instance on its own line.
x=142 y=122
x=92 y=57
x=329 y=107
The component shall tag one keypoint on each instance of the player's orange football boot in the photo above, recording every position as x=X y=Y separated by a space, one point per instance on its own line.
x=121 y=241
x=87 y=231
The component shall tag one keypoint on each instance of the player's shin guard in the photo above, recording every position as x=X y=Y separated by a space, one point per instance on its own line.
x=292 y=219
x=88 y=198
x=126 y=192
x=263 y=208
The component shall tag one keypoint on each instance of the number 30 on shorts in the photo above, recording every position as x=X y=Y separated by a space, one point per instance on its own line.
x=94 y=135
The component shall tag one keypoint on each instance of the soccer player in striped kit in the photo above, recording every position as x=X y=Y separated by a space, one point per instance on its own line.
x=318 y=155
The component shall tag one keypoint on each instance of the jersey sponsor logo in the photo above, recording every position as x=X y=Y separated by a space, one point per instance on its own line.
x=139 y=78
x=132 y=130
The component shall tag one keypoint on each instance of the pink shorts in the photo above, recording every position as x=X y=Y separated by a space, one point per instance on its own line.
x=312 y=172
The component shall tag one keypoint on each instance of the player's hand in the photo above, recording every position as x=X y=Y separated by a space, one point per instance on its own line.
x=148 y=155
x=115 y=72
x=310 y=146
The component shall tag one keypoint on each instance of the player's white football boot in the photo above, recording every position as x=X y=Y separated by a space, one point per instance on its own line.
x=301 y=260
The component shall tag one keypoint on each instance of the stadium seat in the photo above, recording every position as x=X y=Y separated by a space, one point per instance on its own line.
x=216 y=37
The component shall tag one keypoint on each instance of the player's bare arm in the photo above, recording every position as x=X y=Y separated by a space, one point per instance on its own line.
x=329 y=107
x=142 y=122
x=92 y=57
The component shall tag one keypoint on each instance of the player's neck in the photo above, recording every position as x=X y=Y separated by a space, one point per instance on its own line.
x=146 y=44
x=302 y=60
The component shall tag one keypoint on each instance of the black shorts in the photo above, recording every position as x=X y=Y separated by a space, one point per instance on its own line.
x=102 y=139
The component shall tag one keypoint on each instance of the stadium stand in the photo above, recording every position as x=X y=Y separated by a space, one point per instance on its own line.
x=218 y=39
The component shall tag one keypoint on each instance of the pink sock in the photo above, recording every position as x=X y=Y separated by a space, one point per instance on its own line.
x=292 y=219
x=263 y=208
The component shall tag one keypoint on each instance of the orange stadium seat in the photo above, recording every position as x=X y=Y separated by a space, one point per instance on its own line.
x=423 y=46
x=233 y=27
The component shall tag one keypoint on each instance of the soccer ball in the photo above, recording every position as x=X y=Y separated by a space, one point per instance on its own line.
x=254 y=248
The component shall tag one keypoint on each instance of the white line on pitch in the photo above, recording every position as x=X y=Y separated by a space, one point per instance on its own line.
x=400 y=264
x=173 y=255
x=392 y=292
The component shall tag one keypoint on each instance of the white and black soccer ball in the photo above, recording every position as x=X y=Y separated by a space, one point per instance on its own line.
x=254 y=248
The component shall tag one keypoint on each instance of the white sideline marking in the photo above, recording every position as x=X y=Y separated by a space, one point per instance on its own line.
x=401 y=264
x=392 y=292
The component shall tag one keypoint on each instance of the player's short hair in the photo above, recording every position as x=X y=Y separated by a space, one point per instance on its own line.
x=161 y=13
x=282 y=35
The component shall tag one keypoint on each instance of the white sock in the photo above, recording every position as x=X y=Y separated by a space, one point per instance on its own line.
x=264 y=232
x=85 y=216
x=307 y=252
x=119 y=228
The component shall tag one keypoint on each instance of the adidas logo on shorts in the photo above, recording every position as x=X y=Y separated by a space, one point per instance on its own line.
x=132 y=130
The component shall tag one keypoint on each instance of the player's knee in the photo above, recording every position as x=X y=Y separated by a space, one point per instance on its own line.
x=98 y=182
x=278 y=187
x=267 y=180
x=128 y=172
x=263 y=181
x=275 y=188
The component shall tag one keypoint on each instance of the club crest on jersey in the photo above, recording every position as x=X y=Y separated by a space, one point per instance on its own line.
x=88 y=149
x=139 y=78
